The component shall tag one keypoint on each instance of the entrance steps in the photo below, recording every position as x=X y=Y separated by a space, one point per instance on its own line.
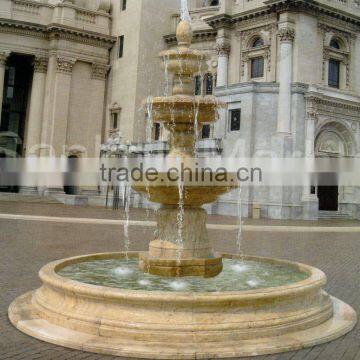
x=329 y=215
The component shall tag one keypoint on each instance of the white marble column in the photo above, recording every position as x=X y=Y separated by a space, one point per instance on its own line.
x=33 y=137
x=286 y=35
x=56 y=111
x=223 y=49
x=3 y=59
x=309 y=200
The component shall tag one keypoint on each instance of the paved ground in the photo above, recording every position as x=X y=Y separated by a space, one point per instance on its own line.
x=27 y=245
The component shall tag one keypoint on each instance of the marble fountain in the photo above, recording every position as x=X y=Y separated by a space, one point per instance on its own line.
x=181 y=300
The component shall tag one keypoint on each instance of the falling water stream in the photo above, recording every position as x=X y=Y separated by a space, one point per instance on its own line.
x=149 y=119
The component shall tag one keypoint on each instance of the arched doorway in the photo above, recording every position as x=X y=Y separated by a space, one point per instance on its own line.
x=333 y=140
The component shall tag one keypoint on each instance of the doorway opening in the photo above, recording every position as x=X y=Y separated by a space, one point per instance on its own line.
x=328 y=198
x=18 y=78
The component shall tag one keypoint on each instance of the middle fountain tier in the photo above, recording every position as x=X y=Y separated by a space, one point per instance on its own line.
x=182 y=246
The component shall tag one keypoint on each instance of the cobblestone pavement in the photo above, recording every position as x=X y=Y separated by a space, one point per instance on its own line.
x=27 y=245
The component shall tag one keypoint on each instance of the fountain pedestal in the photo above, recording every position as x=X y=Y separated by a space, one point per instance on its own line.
x=182 y=246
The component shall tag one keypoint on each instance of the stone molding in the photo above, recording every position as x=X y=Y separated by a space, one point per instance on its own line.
x=65 y=65
x=57 y=32
x=325 y=105
x=99 y=71
x=286 y=34
x=40 y=64
x=199 y=36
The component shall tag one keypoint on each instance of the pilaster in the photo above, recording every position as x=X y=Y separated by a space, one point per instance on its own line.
x=286 y=35
x=3 y=59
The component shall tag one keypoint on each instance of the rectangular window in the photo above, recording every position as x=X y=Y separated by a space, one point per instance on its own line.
x=157 y=131
x=198 y=85
x=205 y=133
x=123 y=5
x=121 y=46
x=257 y=67
x=235 y=120
x=334 y=73
x=209 y=84
x=115 y=120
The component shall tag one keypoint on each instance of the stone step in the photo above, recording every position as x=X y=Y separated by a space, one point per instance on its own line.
x=12 y=197
x=325 y=215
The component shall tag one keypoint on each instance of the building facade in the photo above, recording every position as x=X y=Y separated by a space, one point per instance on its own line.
x=75 y=72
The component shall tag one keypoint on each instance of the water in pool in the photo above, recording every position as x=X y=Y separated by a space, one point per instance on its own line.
x=237 y=275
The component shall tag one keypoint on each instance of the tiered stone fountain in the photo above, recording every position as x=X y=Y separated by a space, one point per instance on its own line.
x=218 y=305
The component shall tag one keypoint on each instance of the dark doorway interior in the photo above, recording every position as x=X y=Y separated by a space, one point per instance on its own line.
x=18 y=77
x=328 y=198
x=70 y=187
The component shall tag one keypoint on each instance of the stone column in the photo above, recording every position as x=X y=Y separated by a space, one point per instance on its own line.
x=282 y=144
x=56 y=111
x=35 y=120
x=33 y=138
x=286 y=35
x=223 y=49
x=3 y=59
x=310 y=201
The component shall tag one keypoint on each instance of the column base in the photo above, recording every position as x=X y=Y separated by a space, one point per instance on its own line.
x=29 y=190
x=54 y=191
x=310 y=206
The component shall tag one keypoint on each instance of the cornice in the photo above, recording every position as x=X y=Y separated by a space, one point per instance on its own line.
x=276 y=6
x=220 y=21
x=320 y=99
x=313 y=6
x=55 y=31
x=199 y=36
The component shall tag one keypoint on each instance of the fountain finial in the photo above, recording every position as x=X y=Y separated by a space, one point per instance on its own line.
x=184 y=33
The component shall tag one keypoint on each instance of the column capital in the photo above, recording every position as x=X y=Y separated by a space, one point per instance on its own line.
x=223 y=48
x=99 y=70
x=40 y=64
x=286 y=34
x=3 y=57
x=65 y=64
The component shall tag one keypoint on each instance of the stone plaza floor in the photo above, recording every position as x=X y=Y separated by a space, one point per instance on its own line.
x=41 y=233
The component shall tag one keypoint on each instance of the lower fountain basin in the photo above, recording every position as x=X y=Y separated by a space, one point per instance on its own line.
x=212 y=321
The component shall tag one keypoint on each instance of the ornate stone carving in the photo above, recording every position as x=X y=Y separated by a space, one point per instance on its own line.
x=342 y=54
x=223 y=48
x=286 y=34
x=65 y=65
x=99 y=71
x=3 y=57
x=40 y=64
x=312 y=114
x=244 y=59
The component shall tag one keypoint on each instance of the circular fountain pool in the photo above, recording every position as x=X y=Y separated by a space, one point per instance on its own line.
x=102 y=303
x=237 y=275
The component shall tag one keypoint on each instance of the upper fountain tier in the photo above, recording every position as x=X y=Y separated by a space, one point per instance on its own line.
x=183 y=107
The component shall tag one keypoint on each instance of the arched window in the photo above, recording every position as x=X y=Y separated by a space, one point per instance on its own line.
x=258 y=42
x=335 y=44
